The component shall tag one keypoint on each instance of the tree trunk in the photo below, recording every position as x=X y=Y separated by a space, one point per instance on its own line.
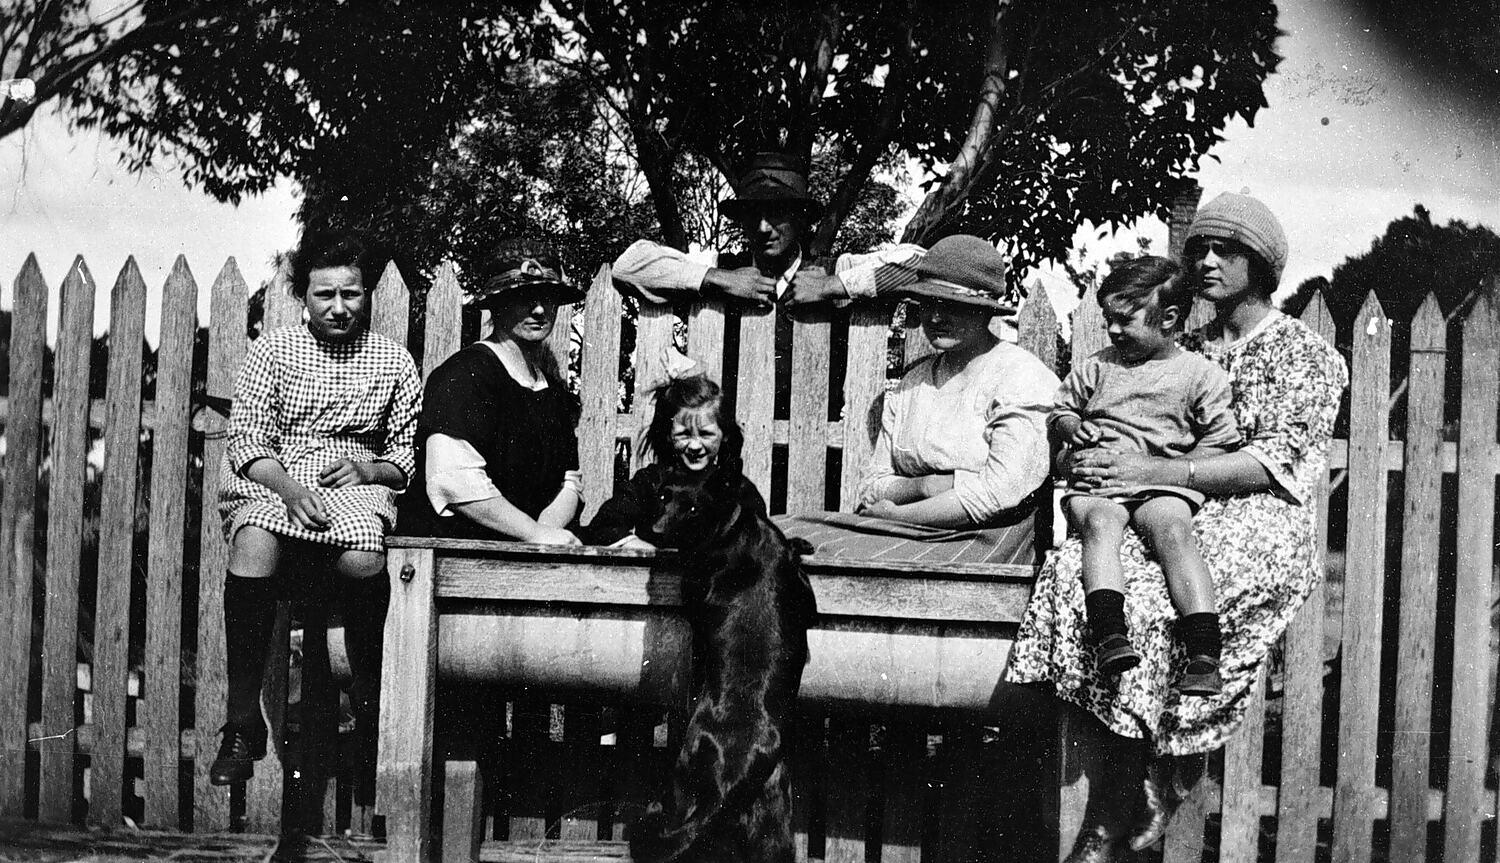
x=656 y=165
x=945 y=202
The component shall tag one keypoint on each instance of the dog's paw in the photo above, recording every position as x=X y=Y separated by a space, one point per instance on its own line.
x=800 y=546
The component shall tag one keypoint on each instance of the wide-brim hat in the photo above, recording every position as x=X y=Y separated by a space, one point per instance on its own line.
x=522 y=264
x=772 y=179
x=962 y=269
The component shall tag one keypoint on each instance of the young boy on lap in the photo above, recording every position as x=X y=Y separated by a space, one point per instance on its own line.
x=1145 y=394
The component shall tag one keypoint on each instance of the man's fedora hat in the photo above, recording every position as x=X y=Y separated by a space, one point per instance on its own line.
x=772 y=179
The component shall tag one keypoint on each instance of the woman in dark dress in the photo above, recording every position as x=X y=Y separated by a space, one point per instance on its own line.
x=498 y=457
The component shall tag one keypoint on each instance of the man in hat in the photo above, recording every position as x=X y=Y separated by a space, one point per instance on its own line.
x=775 y=210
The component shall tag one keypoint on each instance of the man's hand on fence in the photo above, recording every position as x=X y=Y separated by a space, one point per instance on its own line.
x=814 y=285
x=745 y=283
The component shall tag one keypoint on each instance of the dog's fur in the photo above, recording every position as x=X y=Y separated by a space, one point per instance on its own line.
x=750 y=606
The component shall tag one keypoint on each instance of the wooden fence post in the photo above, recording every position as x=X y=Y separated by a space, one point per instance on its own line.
x=1470 y=803
x=864 y=394
x=23 y=431
x=122 y=448
x=1421 y=520
x=70 y=394
x=226 y=348
x=807 y=441
x=1364 y=586
x=169 y=450
x=755 y=392
x=599 y=391
x=1302 y=700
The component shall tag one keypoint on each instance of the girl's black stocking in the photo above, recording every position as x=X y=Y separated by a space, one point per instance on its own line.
x=249 y=613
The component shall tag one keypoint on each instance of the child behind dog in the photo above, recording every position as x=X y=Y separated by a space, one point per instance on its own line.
x=1145 y=394
x=689 y=429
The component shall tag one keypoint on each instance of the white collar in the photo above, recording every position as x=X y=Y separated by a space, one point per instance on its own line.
x=785 y=280
x=538 y=382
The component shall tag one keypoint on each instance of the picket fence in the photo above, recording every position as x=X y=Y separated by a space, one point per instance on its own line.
x=1370 y=741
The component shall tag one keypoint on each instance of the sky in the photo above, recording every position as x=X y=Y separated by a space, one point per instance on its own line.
x=1353 y=137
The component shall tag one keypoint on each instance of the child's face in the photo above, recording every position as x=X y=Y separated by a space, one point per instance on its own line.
x=696 y=437
x=1133 y=333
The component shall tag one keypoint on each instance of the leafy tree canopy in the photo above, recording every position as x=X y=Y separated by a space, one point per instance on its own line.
x=1033 y=114
x=1414 y=257
x=52 y=49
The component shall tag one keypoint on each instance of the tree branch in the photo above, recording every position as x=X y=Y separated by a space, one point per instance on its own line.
x=892 y=102
x=938 y=204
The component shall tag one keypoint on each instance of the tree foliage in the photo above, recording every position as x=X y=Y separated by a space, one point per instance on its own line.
x=536 y=160
x=1033 y=115
x=354 y=101
x=64 y=46
x=1414 y=257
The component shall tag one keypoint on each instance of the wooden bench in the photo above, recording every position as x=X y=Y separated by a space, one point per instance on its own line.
x=897 y=644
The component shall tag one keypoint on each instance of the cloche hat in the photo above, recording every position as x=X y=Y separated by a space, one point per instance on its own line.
x=962 y=269
x=771 y=178
x=1248 y=222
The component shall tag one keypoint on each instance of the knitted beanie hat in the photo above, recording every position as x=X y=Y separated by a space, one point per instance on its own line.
x=1246 y=221
x=962 y=268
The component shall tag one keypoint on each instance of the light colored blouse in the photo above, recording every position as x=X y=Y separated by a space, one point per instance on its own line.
x=987 y=426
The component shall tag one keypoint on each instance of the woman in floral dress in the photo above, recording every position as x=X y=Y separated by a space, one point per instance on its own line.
x=1257 y=533
x=320 y=441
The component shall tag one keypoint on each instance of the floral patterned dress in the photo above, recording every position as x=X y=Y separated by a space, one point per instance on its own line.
x=1261 y=549
x=308 y=403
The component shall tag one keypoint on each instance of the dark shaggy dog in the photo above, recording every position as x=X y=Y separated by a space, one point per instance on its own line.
x=750 y=606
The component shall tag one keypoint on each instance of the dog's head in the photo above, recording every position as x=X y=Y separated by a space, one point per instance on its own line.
x=696 y=507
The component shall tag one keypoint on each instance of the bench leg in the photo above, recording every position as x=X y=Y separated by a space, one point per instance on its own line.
x=463 y=811
x=403 y=777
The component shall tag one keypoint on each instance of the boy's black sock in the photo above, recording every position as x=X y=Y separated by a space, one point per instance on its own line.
x=1200 y=634
x=1106 y=613
x=249 y=613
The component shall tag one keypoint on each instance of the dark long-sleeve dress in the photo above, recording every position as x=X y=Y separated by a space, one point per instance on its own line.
x=525 y=437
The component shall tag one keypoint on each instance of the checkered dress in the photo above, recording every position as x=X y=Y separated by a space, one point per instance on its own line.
x=308 y=403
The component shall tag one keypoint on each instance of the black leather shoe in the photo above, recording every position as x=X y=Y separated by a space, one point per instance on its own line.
x=1117 y=655
x=1201 y=677
x=1094 y=845
x=239 y=751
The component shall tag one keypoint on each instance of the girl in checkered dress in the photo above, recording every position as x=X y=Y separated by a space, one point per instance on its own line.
x=320 y=441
